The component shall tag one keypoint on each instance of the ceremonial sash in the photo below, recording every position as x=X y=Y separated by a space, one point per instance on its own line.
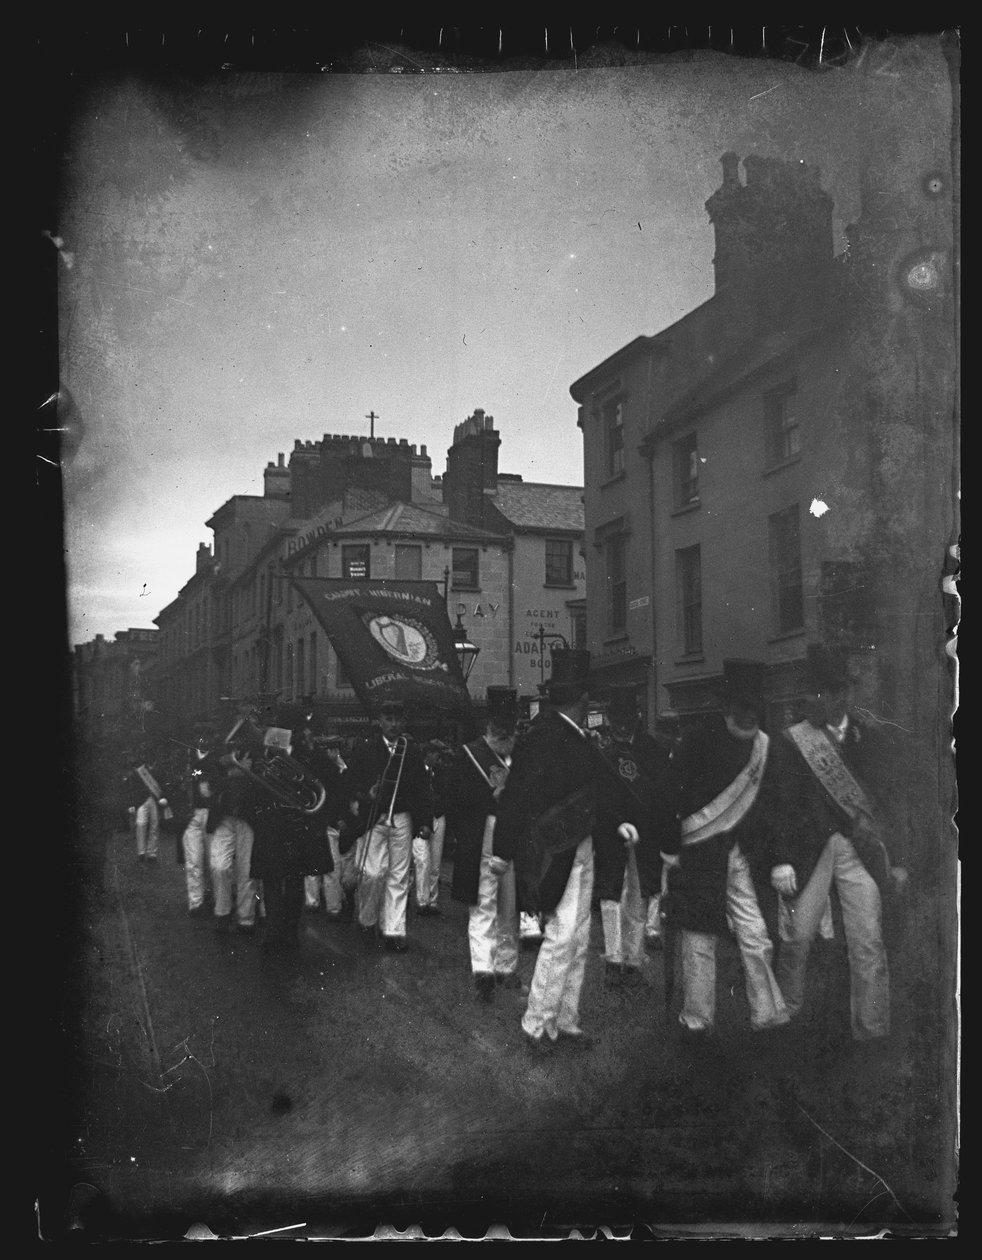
x=825 y=762
x=725 y=811
x=153 y=787
x=484 y=773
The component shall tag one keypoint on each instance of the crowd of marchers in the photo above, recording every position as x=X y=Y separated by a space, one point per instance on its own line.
x=724 y=831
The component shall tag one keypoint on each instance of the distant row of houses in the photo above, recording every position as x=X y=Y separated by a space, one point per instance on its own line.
x=773 y=469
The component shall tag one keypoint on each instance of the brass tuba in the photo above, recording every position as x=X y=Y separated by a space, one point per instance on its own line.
x=272 y=767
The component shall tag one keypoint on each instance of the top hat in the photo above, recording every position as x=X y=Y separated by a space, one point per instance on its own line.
x=743 y=684
x=622 y=706
x=570 y=668
x=828 y=668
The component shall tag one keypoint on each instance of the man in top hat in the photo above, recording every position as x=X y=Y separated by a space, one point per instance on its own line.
x=389 y=792
x=633 y=872
x=725 y=782
x=840 y=835
x=559 y=804
x=482 y=881
x=428 y=850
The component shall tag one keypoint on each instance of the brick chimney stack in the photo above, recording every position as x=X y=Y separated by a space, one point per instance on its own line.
x=773 y=231
x=472 y=468
x=276 y=479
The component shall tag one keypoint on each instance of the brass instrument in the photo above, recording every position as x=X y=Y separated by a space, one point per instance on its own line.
x=385 y=779
x=273 y=768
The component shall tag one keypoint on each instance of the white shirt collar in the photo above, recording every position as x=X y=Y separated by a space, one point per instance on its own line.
x=839 y=732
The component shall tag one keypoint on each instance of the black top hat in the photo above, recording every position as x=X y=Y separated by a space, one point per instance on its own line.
x=570 y=668
x=743 y=683
x=622 y=705
x=828 y=667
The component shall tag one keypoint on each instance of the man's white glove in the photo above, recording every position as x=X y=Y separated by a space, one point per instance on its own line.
x=784 y=881
x=899 y=876
x=628 y=833
x=497 y=866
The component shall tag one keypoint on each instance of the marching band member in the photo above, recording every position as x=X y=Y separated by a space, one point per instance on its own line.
x=725 y=781
x=389 y=793
x=327 y=765
x=144 y=798
x=837 y=813
x=556 y=808
x=428 y=852
x=483 y=882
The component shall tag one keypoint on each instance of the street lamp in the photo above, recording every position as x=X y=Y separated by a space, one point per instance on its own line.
x=542 y=634
x=467 y=652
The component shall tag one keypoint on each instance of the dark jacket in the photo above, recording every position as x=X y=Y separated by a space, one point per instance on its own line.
x=369 y=761
x=285 y=840
x=649 y=807
x=811 y=815
x=703 y=764
x=469 y=801
x=550 y=763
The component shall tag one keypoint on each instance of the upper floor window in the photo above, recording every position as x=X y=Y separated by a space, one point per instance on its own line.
x=356 y=561
x=784 y=533
x=685 y=454
x=577 y=618
x=559 y=562
x=465 y=568
x=688 y=597
x=616 y=548
x=613 y=426
x=409 y=562
x=782 y=434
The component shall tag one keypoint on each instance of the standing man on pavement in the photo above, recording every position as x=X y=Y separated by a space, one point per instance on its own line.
x=726 y=782
x=631 y=873
x=840 y=834
x=556 y=808
x=389 y=793
x=483 y=882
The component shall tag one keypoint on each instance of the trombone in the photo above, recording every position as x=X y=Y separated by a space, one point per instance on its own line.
x=377 y=795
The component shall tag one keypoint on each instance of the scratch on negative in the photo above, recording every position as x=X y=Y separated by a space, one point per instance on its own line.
x=882 y=720
x=770 y=89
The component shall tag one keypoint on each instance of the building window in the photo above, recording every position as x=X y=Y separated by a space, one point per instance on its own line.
x=288 y=671
x=356 y=561
x=301 y=667
x=340 y=677
x=685 y=454
x=465 y=570
x=409 y=562
x=784 y=532
x=782 y=434
x=613 y=424
x=577 y=618
x=313 y=662
x=688 y=586
x=616 y=548
x=559 y=562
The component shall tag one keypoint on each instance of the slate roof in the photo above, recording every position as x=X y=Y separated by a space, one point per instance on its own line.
x=410 y=518
x=534 y=505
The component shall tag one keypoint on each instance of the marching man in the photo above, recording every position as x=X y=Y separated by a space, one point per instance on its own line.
x=726 y=778
x=556 y=808
x=836 y=837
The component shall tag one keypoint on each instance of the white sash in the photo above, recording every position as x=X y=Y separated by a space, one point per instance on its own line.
x=825 y=762
x=725 y=811
x=153 y=787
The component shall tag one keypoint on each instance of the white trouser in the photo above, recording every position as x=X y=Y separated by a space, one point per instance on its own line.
x=147 y=825
x=231 y=856
x=194 y=842
x=869 y=976
x=382 y=856
x=652 y=924
x=623 y=921
x=529 y=927
x=492 y=926
x=698 y=953
x=554 y=995
x=427 y=856
x=331 y=884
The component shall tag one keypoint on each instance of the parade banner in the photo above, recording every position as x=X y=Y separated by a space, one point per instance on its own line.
x=393 y=638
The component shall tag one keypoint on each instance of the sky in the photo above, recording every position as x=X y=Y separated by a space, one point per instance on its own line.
x=261 y=257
